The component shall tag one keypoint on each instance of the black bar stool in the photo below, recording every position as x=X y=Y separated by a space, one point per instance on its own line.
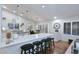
x=46 y=45
x=52 y=39
x=43 y=45
x=27 y=49
x=37 y=47
x=51 y=46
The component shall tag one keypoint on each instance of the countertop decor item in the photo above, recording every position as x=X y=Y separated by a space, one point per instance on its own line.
x=8 y=36
x=22 y=24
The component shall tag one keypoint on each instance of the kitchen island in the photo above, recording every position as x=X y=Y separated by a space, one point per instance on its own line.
x=14 y=46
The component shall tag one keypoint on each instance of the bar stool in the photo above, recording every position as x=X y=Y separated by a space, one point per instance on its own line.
x=52 y=39
x=46 y=45
x=37 y=47
x=27 y=49
x=43 y=45
x=49 y=42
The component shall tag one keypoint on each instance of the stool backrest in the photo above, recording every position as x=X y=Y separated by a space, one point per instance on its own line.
x=37 y=47
x=27 y=47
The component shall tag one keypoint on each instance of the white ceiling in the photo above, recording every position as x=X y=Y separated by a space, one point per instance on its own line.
x=36 y=13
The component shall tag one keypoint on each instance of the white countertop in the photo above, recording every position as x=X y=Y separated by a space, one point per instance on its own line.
x=26 y=38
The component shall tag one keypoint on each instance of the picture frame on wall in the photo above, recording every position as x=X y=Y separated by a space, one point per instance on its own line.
x=56 y=30
x=13 y=26
x=10 y=25
x=16 y=26
x=56 y=26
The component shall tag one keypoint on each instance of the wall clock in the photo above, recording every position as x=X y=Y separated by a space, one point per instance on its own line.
x=56 y=26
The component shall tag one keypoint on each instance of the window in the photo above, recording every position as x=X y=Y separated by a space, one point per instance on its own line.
x=75 y=28
x=67 y=28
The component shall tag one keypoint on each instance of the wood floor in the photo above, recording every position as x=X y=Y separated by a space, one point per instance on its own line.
x=60 y=47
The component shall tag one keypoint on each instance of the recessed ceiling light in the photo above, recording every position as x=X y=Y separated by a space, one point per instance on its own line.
x=43 y=6
x=14 y=11
x=3 y=28
x=55 y=17
x=21 y=14
x=5 y=7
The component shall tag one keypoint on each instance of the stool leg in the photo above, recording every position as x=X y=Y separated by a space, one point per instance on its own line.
x=51 y=47
x=41 y=48
x=53 y=43
x=32 y=50
x=45 y=48
x=21 y=51
x=29 y=51
x=24 y=51
x=38 y=49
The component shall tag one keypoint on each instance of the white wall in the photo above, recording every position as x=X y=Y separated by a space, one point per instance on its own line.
x=60 y=35
x=0 y=23
x=57 y=35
